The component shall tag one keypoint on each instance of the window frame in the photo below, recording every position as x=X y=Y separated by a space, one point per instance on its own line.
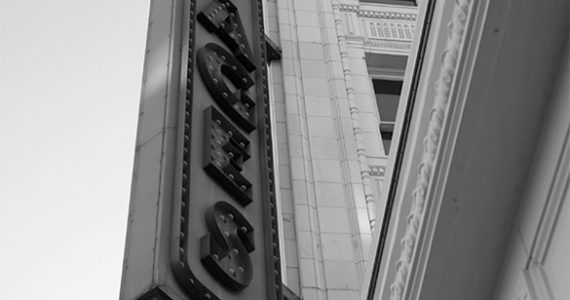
x=388 y=75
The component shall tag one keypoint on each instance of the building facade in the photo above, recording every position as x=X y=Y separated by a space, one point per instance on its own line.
x=336 y=93
x=420 y=150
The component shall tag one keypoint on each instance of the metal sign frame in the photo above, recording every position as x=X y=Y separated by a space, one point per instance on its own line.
x=203 y=225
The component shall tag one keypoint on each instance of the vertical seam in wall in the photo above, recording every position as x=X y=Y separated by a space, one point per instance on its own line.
x=274 y=34
x=349 y=186
x=317 y=258
x=164 y=143
x=357 y=131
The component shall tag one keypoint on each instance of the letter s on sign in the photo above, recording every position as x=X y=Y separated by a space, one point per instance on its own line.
x=226 y=248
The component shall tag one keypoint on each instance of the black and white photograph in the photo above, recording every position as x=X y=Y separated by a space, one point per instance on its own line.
x=285 y=150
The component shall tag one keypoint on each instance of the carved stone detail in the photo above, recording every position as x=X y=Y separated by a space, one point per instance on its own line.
x=357 y=131
x=381 y=29
x=378 y=171
x=438 y=113
x=377 y=14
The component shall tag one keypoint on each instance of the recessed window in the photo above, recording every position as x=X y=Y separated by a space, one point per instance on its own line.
x=387 y=94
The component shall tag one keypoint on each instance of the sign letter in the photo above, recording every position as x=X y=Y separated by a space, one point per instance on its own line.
x=226 y=248
x=215 y=65
x=222 y=17
x=225 y=150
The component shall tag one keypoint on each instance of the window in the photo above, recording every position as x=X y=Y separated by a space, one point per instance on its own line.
x=387 y=96
x=387 y=74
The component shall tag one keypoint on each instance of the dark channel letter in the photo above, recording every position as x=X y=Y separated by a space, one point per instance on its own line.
x=227 y=81
x=225 y=150
x=226 y=246
x=222 y=18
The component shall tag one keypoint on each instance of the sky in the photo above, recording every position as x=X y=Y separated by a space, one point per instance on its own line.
x=70 y=78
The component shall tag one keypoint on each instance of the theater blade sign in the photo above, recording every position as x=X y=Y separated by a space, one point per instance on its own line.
x=223 y=240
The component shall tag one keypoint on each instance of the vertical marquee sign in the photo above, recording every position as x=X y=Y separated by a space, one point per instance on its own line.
x=209 y=210
x=226 y=190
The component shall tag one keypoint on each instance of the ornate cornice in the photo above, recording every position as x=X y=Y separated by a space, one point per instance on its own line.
x=377 y=14
x=354 y=116
x=385 y=29
x=431 y=146
x=380 y=45
x=389 y=45
x=355 y=37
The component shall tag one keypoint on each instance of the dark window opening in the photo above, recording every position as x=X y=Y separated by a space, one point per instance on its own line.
x=387 y=96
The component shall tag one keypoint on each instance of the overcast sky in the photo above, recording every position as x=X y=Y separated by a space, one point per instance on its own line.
x=70 y=76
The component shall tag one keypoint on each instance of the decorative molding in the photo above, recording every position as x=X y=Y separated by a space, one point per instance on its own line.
x=357 y=131
x=388 y=45
x=382 y=31
x=391 y=30
x=438 y=114
x=380 y=14
x=379 y=171
x=376 y=45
